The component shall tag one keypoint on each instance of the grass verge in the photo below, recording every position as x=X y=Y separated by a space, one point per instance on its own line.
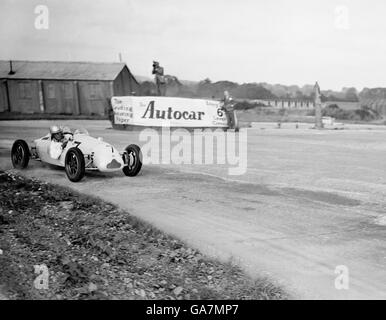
x=93 y=250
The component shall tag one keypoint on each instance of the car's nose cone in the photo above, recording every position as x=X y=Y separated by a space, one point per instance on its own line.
x=114 y=164
x=107 y=158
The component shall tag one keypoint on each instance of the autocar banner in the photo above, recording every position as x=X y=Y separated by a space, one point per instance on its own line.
x=168 y=111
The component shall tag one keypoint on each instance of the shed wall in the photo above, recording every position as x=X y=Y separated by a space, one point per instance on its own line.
x=3 y=97
x=93 y=97
x=24 y=96
x=60 y=97
x=66 y=96
x=125 y=84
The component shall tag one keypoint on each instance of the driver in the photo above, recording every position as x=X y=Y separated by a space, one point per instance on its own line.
x=58 y=142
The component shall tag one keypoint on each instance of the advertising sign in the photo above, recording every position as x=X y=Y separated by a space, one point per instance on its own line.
x=168 y=111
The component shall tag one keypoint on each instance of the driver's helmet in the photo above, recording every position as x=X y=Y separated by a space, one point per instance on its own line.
x=56 y=133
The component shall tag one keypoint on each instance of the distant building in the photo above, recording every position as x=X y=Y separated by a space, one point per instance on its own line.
x=286 y=103
x=63 y=87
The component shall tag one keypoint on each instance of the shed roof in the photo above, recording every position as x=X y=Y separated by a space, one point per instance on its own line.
x=61 y=70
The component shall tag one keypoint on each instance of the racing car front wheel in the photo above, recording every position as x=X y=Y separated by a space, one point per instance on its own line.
x=20 y=154
x=133 y=160
x=74 y=164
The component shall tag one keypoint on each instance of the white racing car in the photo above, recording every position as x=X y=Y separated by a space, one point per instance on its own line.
x=81 y=153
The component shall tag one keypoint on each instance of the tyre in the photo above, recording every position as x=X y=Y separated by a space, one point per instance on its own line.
x=74 y=164
x=20 y=154
x=133 y=160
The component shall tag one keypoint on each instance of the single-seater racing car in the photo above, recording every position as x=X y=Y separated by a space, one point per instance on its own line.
x=81 y=152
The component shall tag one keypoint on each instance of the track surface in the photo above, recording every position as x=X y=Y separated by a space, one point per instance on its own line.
x=309 y=202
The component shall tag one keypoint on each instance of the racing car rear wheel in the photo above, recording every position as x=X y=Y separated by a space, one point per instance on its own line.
x=74 y=164
x=20 y=154
x=133 y=160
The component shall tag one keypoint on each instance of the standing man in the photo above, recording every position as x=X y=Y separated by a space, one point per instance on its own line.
x=160 y=79
x=230 y=111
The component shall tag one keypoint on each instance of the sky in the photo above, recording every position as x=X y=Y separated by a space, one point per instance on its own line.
x=340 y=43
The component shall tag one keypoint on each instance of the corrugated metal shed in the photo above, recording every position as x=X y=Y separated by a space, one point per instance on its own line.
x=60 y=70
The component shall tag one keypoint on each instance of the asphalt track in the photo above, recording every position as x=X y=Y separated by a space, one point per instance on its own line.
x=310 y=201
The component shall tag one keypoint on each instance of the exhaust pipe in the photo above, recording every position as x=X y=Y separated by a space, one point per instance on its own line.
x=11 y=72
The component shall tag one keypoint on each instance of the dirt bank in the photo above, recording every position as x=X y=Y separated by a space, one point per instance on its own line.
x=92 y=250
